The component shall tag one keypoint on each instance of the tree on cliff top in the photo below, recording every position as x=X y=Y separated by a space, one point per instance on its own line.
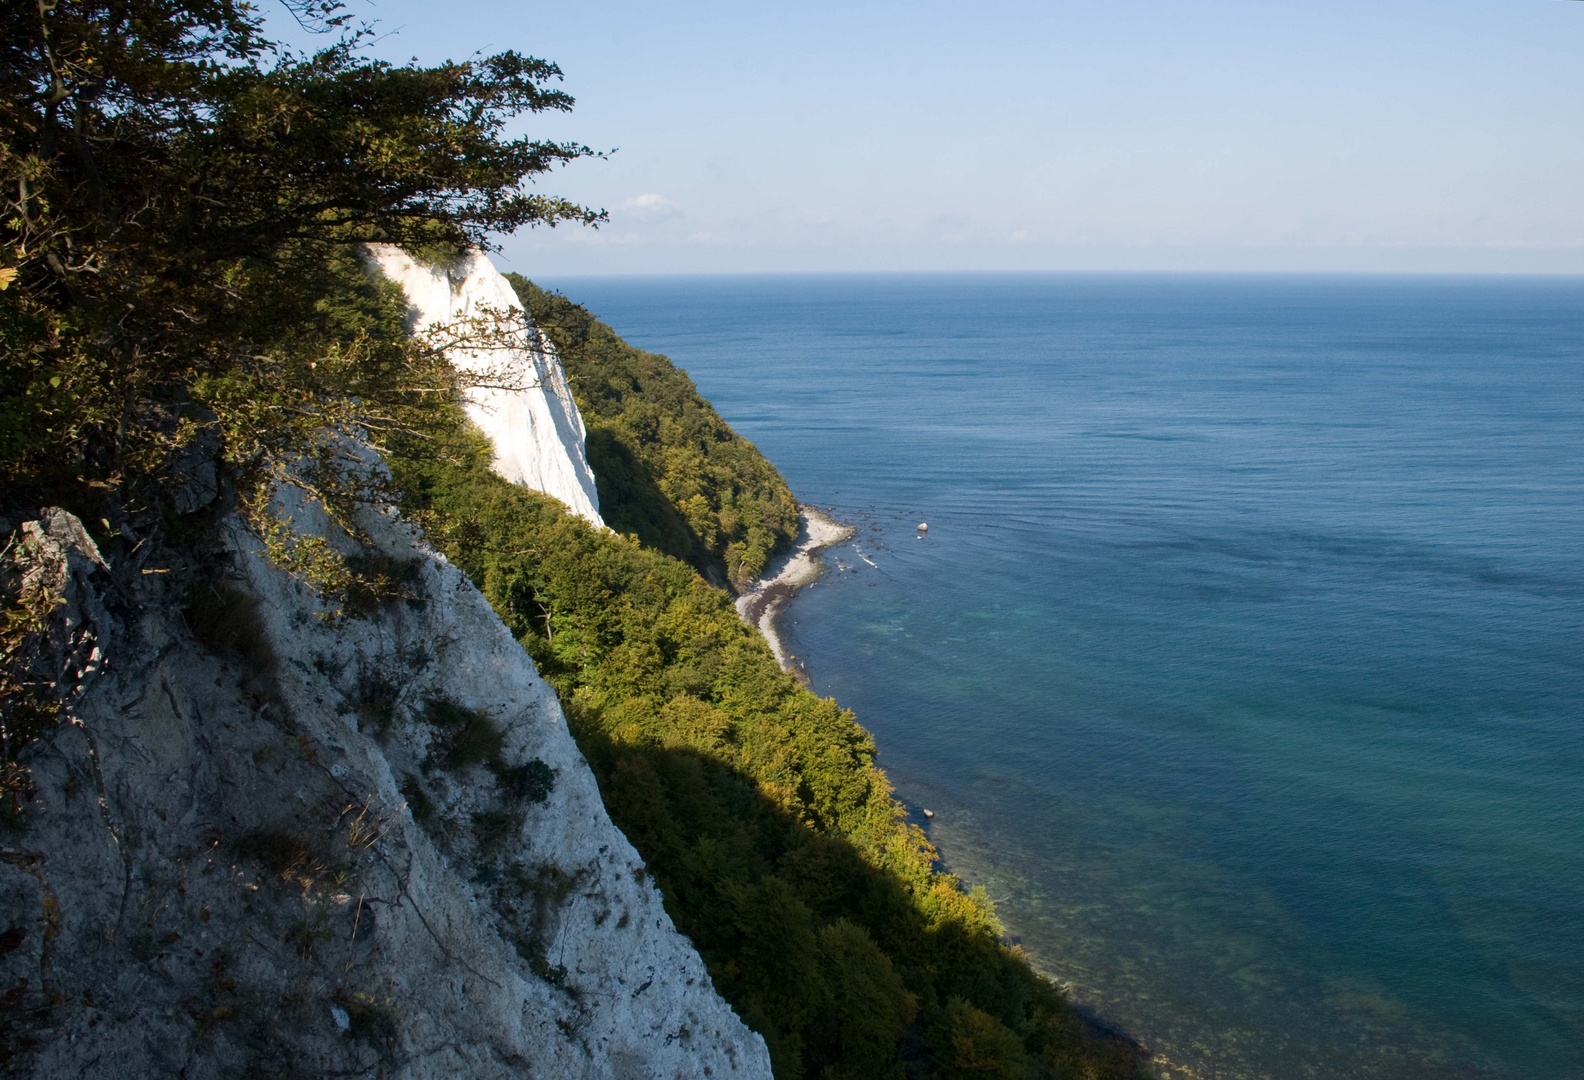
x=177 y=189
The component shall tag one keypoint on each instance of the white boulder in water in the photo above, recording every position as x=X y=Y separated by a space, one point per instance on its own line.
x=534 y=424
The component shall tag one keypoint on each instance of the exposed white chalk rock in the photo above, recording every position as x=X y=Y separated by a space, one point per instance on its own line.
x=263 y=860
x=537 y=432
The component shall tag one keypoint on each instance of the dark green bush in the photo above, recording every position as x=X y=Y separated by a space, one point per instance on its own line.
x=669 y=469
x=418 y=800
x=968 y=1044
x=756 y=805
x=531 y=782
x=494 y=829
x=375 y=704
x=284 y=855
x=467 y=737
x=379 y=580
x=227 y=621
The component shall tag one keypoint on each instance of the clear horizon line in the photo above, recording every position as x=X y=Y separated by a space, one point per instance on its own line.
x=1098 y=272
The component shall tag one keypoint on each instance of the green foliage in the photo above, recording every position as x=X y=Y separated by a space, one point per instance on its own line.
x=418 y=800
x=669 y=469
x=180 y=200
x=970 y=1044
x=28 y=707
x=371 y=1017
x=493 y=829
x=530 y=782
x=178 y=275
x=544 y=889
x=756 y=804
x=286 y=856
x=180 y=194
x=227 y=621
x=868 y=1008
x=375 y=705
x=467 y=737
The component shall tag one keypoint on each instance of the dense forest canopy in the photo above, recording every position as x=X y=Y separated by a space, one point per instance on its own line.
x=775 y=840
x=669 y=469
x=180 y=289
x=176 y=189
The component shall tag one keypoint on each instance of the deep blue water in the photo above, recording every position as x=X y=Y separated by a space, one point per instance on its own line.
x=1244 y=658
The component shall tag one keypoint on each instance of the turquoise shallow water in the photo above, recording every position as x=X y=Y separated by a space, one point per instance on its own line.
x=1242 y=660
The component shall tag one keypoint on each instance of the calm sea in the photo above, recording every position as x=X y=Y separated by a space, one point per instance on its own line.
x=1243 y=661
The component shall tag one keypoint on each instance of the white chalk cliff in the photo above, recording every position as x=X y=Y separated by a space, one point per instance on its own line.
x=268 y=840
x=272 y=852
x=537 y=431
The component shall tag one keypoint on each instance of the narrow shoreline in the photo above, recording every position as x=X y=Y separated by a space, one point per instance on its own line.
x=762 y=603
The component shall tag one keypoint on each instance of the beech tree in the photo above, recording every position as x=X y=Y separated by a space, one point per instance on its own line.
x=180 y=194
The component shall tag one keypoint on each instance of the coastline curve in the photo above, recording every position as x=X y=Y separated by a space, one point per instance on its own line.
x=762 y=603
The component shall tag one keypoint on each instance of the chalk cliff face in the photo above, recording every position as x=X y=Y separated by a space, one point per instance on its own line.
x=266 y=842
x=537 y=432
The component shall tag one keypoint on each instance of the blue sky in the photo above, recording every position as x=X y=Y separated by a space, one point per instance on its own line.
x=1115 y=135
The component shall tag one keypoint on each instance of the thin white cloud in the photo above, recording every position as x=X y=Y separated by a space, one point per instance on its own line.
x=650 y=207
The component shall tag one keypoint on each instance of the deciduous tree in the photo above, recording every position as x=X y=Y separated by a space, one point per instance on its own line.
x=178 y=190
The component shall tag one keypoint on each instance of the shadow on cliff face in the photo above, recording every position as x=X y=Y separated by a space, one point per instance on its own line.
x=209 y=872
x=755 y=804
x=631 y=502
x=848 y=970
x=181 y=882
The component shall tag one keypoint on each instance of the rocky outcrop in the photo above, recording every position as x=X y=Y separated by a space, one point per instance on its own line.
x=264 y=840
x=526 y=408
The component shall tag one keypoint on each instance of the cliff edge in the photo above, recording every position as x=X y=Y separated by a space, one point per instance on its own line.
x=524 y=403
x=264 y=840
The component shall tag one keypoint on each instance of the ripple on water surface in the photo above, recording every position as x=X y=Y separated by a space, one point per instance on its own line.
x=1242 y=661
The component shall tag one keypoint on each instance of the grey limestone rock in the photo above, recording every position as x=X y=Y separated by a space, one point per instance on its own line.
x=268 y=842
